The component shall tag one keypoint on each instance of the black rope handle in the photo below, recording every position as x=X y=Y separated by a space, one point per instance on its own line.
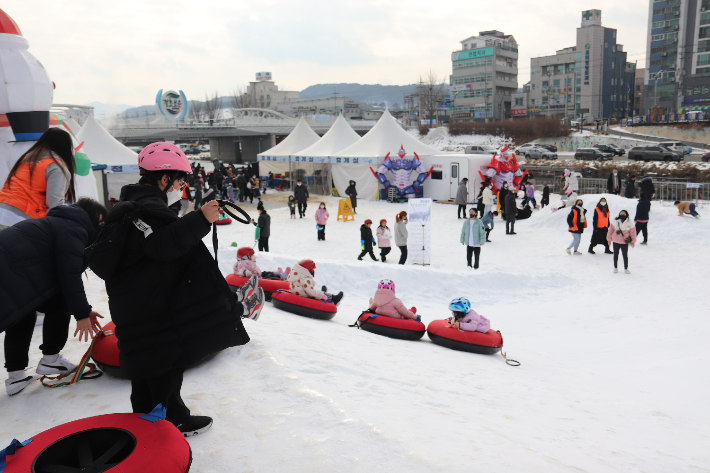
x=225 y=203
x=508 y=361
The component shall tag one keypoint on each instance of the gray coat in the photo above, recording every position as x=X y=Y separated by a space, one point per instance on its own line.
x=462 y=193
x=400 y=234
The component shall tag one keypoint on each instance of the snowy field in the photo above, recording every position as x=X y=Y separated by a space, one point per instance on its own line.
x=613 y=378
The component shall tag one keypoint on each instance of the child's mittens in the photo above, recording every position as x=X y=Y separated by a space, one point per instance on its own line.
x=413 y=310
x=325 y=298
x=419 y=318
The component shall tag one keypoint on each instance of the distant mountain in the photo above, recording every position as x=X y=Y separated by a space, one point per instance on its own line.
x=102 y=110
x=374 y=94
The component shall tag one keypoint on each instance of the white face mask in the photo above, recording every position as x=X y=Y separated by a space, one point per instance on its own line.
x=173 y=196
x=298 y=183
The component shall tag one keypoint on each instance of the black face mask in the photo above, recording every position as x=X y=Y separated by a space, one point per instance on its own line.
x=622 y=217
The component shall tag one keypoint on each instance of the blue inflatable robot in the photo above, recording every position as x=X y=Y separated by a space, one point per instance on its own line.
x=401 y=169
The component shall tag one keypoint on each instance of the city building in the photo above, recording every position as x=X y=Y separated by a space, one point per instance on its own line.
x=592 y=76
x=520 y=106
x=263 y=93
x=639 y=92
x=484 y=76
x=351 y=109
x=678 y=65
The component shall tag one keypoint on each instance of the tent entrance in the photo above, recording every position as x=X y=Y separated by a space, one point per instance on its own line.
x=315 y=175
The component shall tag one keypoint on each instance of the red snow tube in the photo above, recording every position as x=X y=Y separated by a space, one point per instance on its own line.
x=223 y=221
x=268 y=285
x=111 y=442
x=304 y=306
x=105 y=352
x=405 y=329
x=441 y=333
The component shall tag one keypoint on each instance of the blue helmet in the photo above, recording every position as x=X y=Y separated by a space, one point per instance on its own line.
x=460 y=304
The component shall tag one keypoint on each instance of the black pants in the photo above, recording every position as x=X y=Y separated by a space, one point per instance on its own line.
x=384 y=252
x=368 y=249
x=264 y=244
x=510 y=225
x=625 y=253
x=321 y=233
x=488 y=232
x=471 y=251
x=302 y=208
x=642 y=227
x=55 y=332
x=162 y=389
x=403 y=256
x=462 y=211
x=481 y=209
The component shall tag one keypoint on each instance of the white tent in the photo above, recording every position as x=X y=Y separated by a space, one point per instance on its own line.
x=74 y=126
x=340 y=136
x=385 y=137
x=102 y=148
x=276 y=159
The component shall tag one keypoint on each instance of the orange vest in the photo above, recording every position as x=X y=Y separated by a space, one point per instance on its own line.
x=29 y=197
x=602 y=220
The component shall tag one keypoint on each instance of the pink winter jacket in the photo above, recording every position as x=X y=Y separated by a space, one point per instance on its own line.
x=472 y=322
x=385 y=303
x=322 y=216
x=383 y=242
x=243 y=265
x=629 y=231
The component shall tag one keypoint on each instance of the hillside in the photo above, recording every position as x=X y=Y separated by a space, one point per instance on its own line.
x=376 y=94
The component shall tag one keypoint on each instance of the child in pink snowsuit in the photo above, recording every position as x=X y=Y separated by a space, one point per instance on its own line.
x=246 y=265
x=465 y=318
x=385 y=303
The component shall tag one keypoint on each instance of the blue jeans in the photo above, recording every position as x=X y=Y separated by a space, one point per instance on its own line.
x=530 y=199
x=576 y=238
x=692 y=210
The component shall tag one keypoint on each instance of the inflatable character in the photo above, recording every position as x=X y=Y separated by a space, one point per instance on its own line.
x=503 y=168
x=401 y=169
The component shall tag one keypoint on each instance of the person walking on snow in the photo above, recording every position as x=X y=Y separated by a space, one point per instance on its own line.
x=622 y=233
x=488 y=198
x=643 y=208
x=613 y=183
x=473 y=235
x=322 y=217
x=385 y=303
x=292 y=206
x=502 y=193
x=384 y=240
x=577 y=222
x=572 y=180
x=511 y=209
x=301 y=195
x=530 y=197
x=352 y=193
x=462 y=197
x=600 y=227
x=646 y=187
x=401 y=234
x=686 y=208
x=264 y=225
x=302 y=283
x=488 y=223
x=366 y=240
x=545 y=197
x=630 y=190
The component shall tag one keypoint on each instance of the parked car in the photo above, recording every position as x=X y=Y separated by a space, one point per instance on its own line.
x=687 y=150
x=676 y=146
x=193 y=150
x=539 y=153
x=552 y=148
x=525 y=147
x=592 y=153
x=654 y=153
x=705 y=158
x=480 y=149
x=614 y=150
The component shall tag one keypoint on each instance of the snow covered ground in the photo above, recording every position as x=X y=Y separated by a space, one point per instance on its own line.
x=613 y=373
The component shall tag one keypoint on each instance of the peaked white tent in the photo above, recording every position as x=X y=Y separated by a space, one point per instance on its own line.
x=340 y=136
x=354 y=162
x=276 y=159
x=73 y=125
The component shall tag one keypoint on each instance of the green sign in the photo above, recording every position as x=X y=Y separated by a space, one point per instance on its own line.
x=586 y=46
x=474 y=53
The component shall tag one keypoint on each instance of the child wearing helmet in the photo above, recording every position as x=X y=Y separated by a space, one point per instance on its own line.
x=385 y=303
x=246 y=263
x=465 y=318
x=302 y=283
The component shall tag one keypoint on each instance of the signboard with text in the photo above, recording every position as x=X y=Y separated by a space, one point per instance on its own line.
x=369 y=160
x=471 y=54
x=518 y=112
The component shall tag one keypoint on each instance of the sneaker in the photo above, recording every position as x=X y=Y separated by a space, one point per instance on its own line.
x=253 y=305
x=59 y=366
x=247 y=289
x=17 y=383
x=616 y=270
x=569 y=252
x=608 y=252
x=512 y=233
x=359 y=258
x=337 y=298
x=627 y=271
x=591 y=251
x=195 y=426
x=644 y=243
x=578 y=253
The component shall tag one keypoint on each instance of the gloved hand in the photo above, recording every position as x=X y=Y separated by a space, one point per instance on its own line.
x=373 y=242
x=325 y=298
x=247 y=273
x=413 y=310
x=362 y=245
x=419 y=318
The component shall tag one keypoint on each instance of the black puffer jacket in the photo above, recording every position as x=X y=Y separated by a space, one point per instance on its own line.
x=168 y=299
x=300 y=193
x=352 y=192
x=41 y=258
x=366 y=236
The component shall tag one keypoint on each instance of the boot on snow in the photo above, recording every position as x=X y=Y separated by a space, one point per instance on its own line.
x=195 y=425
x=337 y=298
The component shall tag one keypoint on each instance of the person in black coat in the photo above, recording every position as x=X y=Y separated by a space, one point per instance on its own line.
x=352 y=193
x=501 y=198
x=242 y=186
x=613 y=183
x=643 y=208
x=630 y=191
x=300 y=193
x=264 y=224
x=600 y=227
x=511 y=209
x=480 y=207
x=41 y=263
x=171 y=304
x=646 y=187
x=545 y=197
x=367 y=240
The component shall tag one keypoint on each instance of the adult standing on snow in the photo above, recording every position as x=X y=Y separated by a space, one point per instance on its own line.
x=501 y=199
x=572 y=180
x=600 y=227
x=577 y=222
x=473 y=235
x=41 y=263
x=545 y=197
x=301 y=195
x=401 y=234
x=384 y=239
x=613 y=183
x=480 y=208
x=366 y=240
x=242 y=186
x=352 y=193
x=646 y=187
x=462 y=197
x=643 y=208
x=630 y=190
x=488 y=198
x=264 y=225
x=322 y=217
x=510 y=210
x=622 y=234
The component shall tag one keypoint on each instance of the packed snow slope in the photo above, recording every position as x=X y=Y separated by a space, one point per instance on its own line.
x=613 y=374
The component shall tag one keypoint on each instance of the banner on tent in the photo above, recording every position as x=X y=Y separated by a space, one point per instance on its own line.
x=123 y=168
x=370 y=160
x=283 y=159
x=419 y=241
x=309 y=159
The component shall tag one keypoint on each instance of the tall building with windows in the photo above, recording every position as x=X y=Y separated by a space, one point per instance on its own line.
x=593 y=75
x=484 y=76
x=678 y=65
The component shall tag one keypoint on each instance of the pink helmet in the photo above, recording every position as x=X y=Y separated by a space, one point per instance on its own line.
x=163 y=156
x=386 y=284
x=569 y=191
x=567 y=173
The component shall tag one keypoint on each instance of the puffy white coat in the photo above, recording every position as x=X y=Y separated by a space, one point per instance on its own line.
x=302 y=283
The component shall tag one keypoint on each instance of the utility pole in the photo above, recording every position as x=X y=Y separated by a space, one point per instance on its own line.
x=335 y=99
x=421 y=85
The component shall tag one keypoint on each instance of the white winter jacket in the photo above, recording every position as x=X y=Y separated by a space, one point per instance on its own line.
x=302 y=283
x=571 y=180
x=488 y=196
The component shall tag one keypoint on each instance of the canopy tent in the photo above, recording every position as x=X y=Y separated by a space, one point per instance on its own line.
x=353 y=162
x=340 y=136
x=74 y=126
x=276 y=159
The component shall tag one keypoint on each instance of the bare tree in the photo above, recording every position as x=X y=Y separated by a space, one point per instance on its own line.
x=432 y=93
x=213 y=106
x=196 y=110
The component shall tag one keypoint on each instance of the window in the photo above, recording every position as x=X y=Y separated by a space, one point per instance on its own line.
x=579 y=64
x=696 y=91
x=704 y=32
x=579 y=81
x=544 y=99
x=532 y=101
x=533 y=86
x=613 y=98
x=606 y=45
x=689 y=92
x=655 y=63
x=703 y=60
x=613 y=63
x=705 y=18
x=556 y=82
x=578 y=89
x=658 y=11
x=577 y=98
x=545 y=83
x=561 y=68
x=706 y=90
x=519 y=101
x=657 y=37
x=556 y=99
x=622 y=81
x=657 y=24
x=703 y=46
x=437 y=175
x=579 y=56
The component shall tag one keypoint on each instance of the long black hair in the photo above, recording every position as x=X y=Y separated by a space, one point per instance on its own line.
x=96 y=211
x=55 y=143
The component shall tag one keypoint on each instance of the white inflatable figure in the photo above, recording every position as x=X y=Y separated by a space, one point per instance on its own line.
x=401 y=169
x=25 y=93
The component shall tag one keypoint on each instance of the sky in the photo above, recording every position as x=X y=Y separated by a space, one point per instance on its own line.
x=124 y=52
